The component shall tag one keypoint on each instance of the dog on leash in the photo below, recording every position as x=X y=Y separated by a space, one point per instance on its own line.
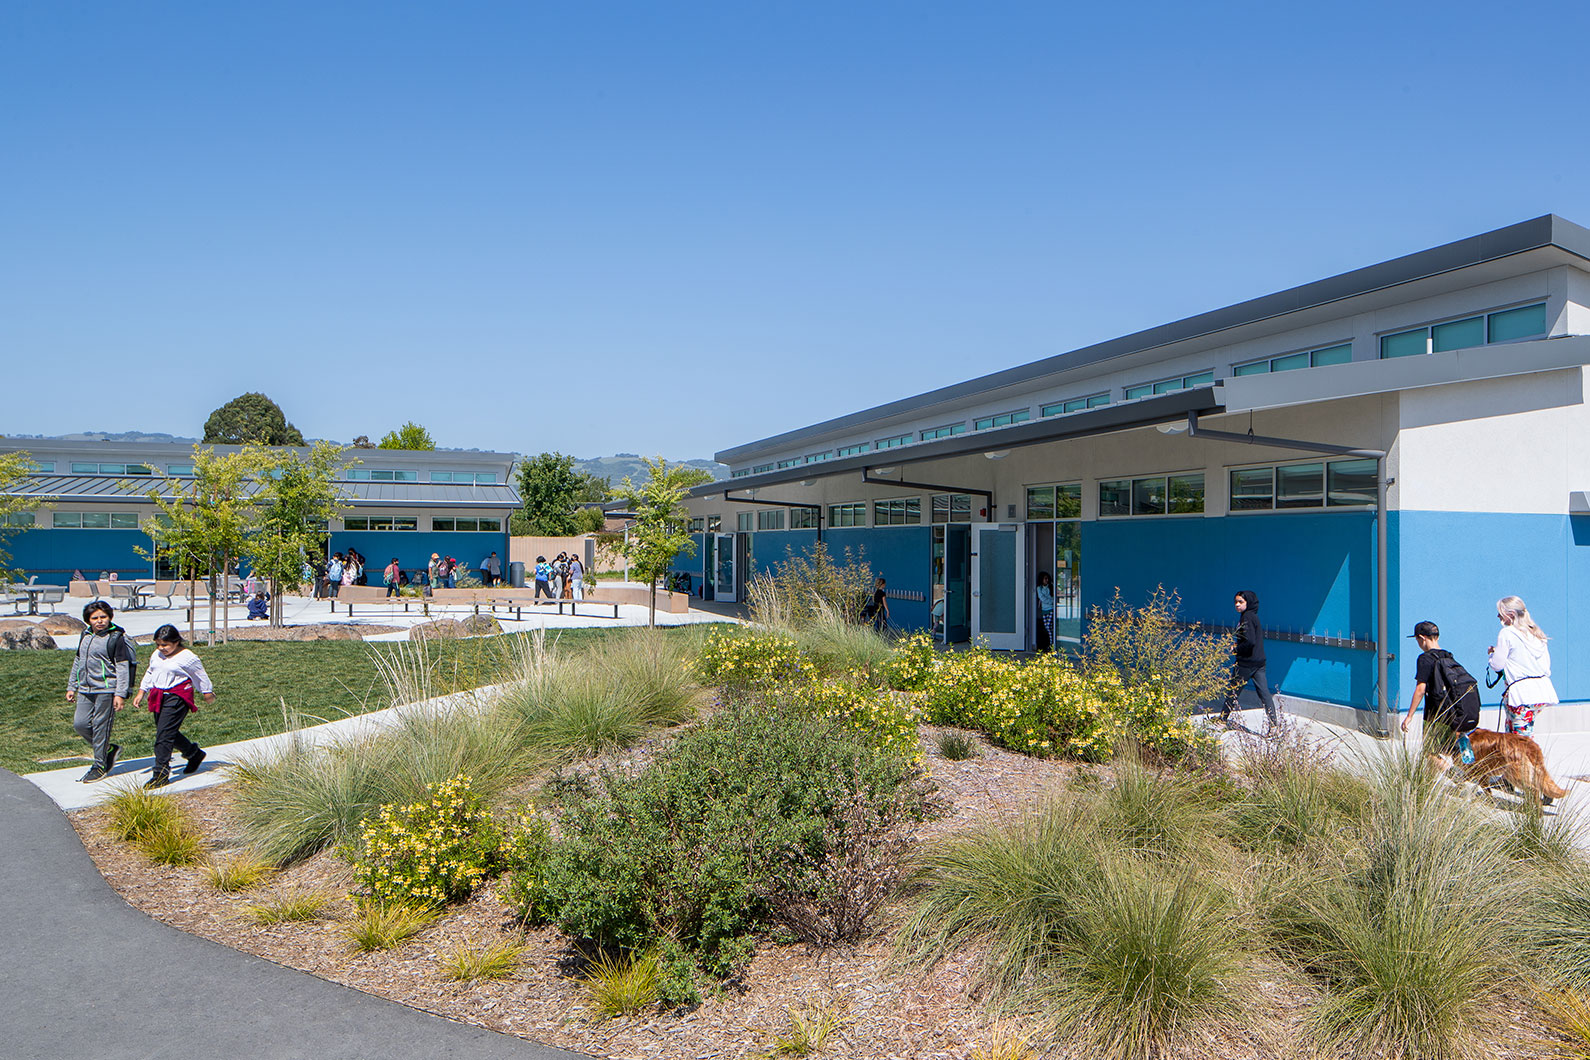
x=1516 y=759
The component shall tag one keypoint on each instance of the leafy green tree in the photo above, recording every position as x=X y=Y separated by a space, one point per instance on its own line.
x=659 y=534
x=201 y=524
x=14 y=467
x=250 y=417
x=296 y=496
x=589 y=521
x=550 y=488
x=594 y=489
x=409 y=436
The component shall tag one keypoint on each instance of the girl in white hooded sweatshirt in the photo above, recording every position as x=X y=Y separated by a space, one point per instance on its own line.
x=1521 y=657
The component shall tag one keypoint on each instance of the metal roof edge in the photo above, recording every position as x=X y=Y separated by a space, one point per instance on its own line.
x=1535 y=233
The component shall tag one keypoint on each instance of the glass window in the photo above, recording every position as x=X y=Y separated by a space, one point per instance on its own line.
x=443 y=524
x=1333 y=355
x=770 y=519
x=1201 y=379
x=1040 y=502
x=138 y=469
x=356 y=523
x=1289 y=362
x=714 y=524
x=1138 y=391
x=890 y=443
x=898 y=512
x=1068 y=501
x=1350 y=482
x=44 y=467
x=1098 y=401
x=1148 y=496
x=1458 y=334
x=952 y=508
x=1186 y=494
x=741 y=473
x=818 y=458
x=697 y=526
x=760 y=468
x=441 y=476
x=1256 y=368
x=1115 y=497
x=19 y=520
x=1300 y=486
x=782 y=464
x=124 y=521
x=1253 y=489
x=1522 y=323
x=943 y=432
x=85 y=469
x=743 y=521
x=847 y=515
x=179 y=469
x=1405 y=343
x=1167 y=386
x=803 y=518
x=66 y=520
x=358 y=474
x=96 y=520
x=486 y=478
x=853 y=450
x=1004 y=419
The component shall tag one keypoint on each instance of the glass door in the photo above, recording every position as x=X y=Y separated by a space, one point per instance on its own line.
x=725 y=573
x=998 y=563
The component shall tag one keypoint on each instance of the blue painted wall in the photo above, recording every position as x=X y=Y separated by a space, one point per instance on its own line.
x=54 y=554
x=902 y=555
x=1313 y=573
x=1456 y=565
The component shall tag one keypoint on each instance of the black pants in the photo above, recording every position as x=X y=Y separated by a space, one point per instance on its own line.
x=168 y=732
x=393 y=590
x=1261 y=683
x=544 y=587
x=1044 y=640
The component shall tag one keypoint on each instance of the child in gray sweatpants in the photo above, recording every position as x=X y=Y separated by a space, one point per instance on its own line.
x=100 y=681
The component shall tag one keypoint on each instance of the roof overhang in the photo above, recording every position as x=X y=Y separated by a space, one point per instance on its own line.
x=1126 y=416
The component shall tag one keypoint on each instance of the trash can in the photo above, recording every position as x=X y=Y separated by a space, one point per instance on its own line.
x=516 y=575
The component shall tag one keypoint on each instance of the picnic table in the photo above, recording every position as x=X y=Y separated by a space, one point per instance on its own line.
x=36 y=594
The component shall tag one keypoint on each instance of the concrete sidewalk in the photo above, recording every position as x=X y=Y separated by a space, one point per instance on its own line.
x=87 y=977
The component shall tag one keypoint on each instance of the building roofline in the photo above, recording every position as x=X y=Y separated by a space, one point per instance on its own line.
x=1540 y=232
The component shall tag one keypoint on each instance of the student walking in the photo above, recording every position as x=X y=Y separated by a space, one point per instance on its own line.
x=543 y=578
x=577 y=577
x=1250 y=663
x=1520 y=656
x=175 y=679
x=394 y=578
x=877 y=610
x=99 y=684
x=1450 y=695
x=1045 y=593
x=334 y=575
x=490 y=570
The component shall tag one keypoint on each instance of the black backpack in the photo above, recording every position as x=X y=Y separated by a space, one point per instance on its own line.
x=1458 y=693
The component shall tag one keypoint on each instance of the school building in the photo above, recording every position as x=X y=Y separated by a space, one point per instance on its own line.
x=93 y=506
x=1400 y=442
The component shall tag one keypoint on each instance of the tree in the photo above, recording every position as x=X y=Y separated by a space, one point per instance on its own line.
x=14 y=467
x=659 y=534
x=589 y=521
x=363 y=442
x=295 y=498
x=594 y=489
x=409 y=436
x=201 y=524
x=250 y=417
x=550 y=488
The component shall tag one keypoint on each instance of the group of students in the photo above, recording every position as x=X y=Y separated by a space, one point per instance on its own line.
x=561 y=579
x=343 y=570
x=100 y=683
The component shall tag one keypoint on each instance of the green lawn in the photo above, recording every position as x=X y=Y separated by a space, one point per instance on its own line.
x=318 y=679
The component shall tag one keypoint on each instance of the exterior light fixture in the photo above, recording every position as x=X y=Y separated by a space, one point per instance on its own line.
x=997 y=454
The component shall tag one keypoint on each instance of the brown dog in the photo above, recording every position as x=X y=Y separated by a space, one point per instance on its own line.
x=1516 y=759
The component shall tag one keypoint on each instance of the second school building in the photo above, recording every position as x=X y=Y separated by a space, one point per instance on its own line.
x=1405 y=441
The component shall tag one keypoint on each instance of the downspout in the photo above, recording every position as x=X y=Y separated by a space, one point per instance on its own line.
x=1382 y=549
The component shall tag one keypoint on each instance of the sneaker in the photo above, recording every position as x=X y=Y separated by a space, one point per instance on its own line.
x=110 y=756
x=159 y=780
x=95 y=772
x=193 y=764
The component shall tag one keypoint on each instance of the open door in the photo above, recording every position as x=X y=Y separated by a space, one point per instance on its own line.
x=957 y=584
x=998 y=575
x=725 y=572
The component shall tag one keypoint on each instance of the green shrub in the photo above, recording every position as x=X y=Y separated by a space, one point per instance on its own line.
x=835 y=646
x=912 y=662
x=623 y=986
x=1294 y=798
x=957 y=746
x=810 y=586
x=741 y=658
x=428 y=852
x=1149 y=646
x=524 y=857
x=290 y=904
x=686 y=849
x=380 y=926
x=1157 y=813
x=495 y=960
x=239 y=873
x=883 y=719
x=134 y=811
x=176 y=842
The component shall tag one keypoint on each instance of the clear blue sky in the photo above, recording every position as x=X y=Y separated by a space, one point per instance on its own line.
x=674 y=227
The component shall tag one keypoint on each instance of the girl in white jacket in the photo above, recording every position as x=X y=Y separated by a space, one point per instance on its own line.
x=1521 y=657
x=174 y=681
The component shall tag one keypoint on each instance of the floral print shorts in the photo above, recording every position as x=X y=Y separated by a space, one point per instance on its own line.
x=1521 y=720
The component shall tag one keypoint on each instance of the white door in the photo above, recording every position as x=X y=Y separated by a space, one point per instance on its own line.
x=726 y=584
x=998 y=574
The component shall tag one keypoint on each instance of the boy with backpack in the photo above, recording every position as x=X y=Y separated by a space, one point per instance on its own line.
x=1450 y=694
x=102 y=676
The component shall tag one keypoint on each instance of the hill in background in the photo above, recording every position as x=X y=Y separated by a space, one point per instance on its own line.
x=617 y=466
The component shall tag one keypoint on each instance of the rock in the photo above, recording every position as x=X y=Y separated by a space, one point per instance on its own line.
x=31 y=638
x=480 y=625
x=62 y=625
x=15 y=624
x=440 y=629
x=324 y=631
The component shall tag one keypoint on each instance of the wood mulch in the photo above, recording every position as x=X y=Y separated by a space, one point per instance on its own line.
x=891 y=1012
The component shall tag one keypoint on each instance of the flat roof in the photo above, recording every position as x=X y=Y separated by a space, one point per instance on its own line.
x=119 y=489
x=1545 y=231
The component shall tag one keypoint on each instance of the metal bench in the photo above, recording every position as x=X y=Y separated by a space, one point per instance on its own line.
x=517 y=606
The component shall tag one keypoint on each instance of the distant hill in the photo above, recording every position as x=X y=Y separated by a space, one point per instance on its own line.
x=109 y=436
x=617 y=466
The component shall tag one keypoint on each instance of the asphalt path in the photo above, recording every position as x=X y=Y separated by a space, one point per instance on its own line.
x=85 y=976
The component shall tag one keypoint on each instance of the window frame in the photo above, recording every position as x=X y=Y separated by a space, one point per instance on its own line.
x=1485 y=317
x=1011 y=418
x=1140 y=488
x=856 y=511
x=1329 y=470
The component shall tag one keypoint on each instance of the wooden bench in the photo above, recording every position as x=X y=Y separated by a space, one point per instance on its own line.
x=517 y=605
x=370 y=595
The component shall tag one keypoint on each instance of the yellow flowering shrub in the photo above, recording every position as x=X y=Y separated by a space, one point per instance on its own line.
x=742 y=658
x=912 y=663
x=429 y=852
x=885 y=720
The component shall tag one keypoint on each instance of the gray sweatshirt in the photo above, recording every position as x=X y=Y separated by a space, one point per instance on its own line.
x=95 y=672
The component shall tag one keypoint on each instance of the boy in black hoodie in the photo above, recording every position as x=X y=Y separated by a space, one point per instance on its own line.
x=1250 y=663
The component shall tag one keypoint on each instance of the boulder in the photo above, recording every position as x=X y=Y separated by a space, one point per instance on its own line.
x=31 y=638
x=480 y=625
x=439 y=629
x=324 y=631
x=62 y=625
x=16 y=624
